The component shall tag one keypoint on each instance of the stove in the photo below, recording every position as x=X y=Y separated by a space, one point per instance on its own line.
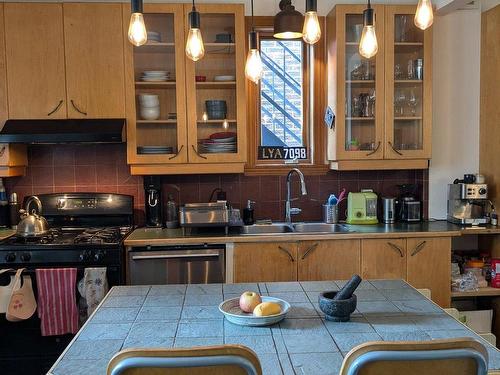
x=87 y=230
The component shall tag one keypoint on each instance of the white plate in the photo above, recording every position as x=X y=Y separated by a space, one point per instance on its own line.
x=231 y=310
x=224 y=78
x=146 y=79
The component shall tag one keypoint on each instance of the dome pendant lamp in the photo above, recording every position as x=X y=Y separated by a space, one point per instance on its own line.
x=253 y=67
x=288 y=22
x=195 y=49
x=137 y=34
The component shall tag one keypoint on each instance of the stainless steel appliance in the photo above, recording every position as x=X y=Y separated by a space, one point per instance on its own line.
x=214 y=214
x=408 y=206
x=180 y=264
x=468 y=204
x=389 y=210
x=87 y=230
x=153 y=207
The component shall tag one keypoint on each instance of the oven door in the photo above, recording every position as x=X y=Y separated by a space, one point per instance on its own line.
x=176 y=265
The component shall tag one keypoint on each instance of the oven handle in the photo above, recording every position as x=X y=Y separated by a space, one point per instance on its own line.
x=171 y=256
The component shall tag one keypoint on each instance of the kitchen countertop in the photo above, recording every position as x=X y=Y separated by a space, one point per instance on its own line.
x=304 y=343
x=158 y=236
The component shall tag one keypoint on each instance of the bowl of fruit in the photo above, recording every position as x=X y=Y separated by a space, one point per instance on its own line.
x=251 y=309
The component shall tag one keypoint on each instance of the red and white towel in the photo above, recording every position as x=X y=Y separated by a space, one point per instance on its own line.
x=57 y=308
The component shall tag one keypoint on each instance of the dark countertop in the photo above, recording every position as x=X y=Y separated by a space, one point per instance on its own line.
x=304 y=343
x=438 y=228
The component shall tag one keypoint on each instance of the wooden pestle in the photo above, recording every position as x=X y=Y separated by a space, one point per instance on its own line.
x=349 y=288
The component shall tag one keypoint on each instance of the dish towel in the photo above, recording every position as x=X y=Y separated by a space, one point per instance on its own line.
x=57 y=301
x=93 y=287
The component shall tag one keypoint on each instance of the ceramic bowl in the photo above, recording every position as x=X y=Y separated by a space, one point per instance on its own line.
x=336 y=311
x=150 y=113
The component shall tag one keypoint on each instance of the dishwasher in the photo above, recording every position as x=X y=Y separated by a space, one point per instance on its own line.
x=176 y=264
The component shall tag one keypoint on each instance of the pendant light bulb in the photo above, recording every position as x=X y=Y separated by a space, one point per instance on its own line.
x=311 y=31
x=424 y=15
x=368 y=45
x=254 y=69
x=195 y=49
x=137 y=34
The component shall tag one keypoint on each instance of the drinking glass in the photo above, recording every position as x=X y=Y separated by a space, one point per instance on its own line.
x=399 y=102
x=412 y=102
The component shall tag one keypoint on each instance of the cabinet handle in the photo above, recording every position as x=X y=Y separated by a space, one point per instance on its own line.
x=177 y=154
x=197 y=153
x=397 y=248
x=77 y=109
x=56 y=108
x=396 y=151
x=309 y=250
x=418 y=248
x=2 y=151
x=287 y=252
x=374 y=151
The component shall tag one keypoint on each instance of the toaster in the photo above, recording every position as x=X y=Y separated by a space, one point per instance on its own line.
x=362 y=207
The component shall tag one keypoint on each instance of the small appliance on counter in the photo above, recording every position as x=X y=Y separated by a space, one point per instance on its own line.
x=468 y=202
x=213 y=214
x=409 y=207
x=152 y=193
x=389 y=210
x=362 y=207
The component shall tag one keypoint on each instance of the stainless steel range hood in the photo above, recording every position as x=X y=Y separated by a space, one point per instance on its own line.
x=63 y=131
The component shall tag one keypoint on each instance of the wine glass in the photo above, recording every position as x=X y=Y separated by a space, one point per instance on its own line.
x=399 y=102
x=412 y=102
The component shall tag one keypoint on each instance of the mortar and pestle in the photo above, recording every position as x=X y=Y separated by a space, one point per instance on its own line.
x=338 y=306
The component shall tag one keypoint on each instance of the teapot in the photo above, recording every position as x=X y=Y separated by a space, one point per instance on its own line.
x=32 y=224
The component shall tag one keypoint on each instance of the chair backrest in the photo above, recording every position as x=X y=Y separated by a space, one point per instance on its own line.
x=210 y=360
x=462 y=356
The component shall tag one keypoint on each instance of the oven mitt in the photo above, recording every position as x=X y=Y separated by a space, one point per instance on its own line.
x=93 y=287
x=22 y=303
x=6 y=292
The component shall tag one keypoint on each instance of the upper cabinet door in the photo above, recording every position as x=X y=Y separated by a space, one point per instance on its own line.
x=3 y=72
x=408 y=76
x=360 y=87
x=95 y=73
x=35 y=60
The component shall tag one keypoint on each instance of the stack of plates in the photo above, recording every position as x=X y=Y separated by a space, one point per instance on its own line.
x=155 y=150
x=154 y=37
x=155 y=76
x=224 y=78
x=219 y=143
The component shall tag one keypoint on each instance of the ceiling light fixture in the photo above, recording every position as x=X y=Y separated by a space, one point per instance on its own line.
x=288 y=22
x=424 y=15
x=253 y=67
x=194 y=44
x=311 y=32
x=368 y=45
x=137 y=34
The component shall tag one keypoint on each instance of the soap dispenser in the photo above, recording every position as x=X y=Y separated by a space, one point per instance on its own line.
x=248 y=211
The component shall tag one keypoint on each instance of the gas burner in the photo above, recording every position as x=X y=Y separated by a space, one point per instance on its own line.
x=99 y=236
x=48 y=238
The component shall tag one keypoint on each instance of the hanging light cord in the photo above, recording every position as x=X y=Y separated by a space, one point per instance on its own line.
x=253 y=28
x=194 y=8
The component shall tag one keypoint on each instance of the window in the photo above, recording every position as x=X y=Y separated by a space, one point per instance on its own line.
x=281 y=111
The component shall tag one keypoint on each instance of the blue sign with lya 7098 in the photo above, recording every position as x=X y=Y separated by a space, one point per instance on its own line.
x=282 y=153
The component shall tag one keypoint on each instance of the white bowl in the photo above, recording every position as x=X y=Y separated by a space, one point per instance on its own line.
x=231 y=310
x=150 y=113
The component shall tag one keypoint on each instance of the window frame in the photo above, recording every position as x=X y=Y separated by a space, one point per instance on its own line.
x=313 y=109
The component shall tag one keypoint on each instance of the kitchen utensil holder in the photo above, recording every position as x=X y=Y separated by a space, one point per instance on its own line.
x=330 y=214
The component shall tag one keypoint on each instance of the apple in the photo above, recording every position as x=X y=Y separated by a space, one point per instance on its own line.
x=249 y=300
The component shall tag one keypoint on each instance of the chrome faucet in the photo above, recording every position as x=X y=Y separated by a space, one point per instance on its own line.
x=289 y=211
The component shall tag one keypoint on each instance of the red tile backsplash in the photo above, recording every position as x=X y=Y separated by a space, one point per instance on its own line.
x=103 y=168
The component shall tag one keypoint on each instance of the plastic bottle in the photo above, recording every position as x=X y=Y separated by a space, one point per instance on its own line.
x=172 y=215
x=248 y=211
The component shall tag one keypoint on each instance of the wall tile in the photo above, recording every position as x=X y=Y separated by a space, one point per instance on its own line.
x=64 y=175
x=43 y=176
x=85 y=175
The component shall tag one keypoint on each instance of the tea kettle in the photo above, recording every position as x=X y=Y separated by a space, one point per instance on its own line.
x=32 y=224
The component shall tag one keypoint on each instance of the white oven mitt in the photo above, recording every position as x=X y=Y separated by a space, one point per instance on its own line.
x=93 y=287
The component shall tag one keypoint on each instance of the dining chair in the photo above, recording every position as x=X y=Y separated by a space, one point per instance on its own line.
x=461 y=356
x=209 y=360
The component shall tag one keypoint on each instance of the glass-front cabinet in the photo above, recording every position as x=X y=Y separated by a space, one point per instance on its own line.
x=408 y=85
x=382 y=105
x=216 y=87
x=360 y=88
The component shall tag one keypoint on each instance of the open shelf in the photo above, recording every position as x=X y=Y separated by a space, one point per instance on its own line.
x=155 y=85
x=216 y=84
x=482 y=292
x=156 y=122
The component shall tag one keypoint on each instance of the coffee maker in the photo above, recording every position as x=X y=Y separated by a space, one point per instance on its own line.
x=152 y=194
x=468 y=203
x=408 y=206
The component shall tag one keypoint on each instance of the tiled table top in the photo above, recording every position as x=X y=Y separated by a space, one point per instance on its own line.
x=304 y=343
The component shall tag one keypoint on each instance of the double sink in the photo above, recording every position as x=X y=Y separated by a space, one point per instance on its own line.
x=297 y=228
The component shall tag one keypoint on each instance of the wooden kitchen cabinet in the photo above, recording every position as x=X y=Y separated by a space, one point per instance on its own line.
x=429 y=266
x=328 y=260
x=383 y=258
x=184 y=124
x=34 y=41
x=383 y=110
x=260 y=262
x=95 y=76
